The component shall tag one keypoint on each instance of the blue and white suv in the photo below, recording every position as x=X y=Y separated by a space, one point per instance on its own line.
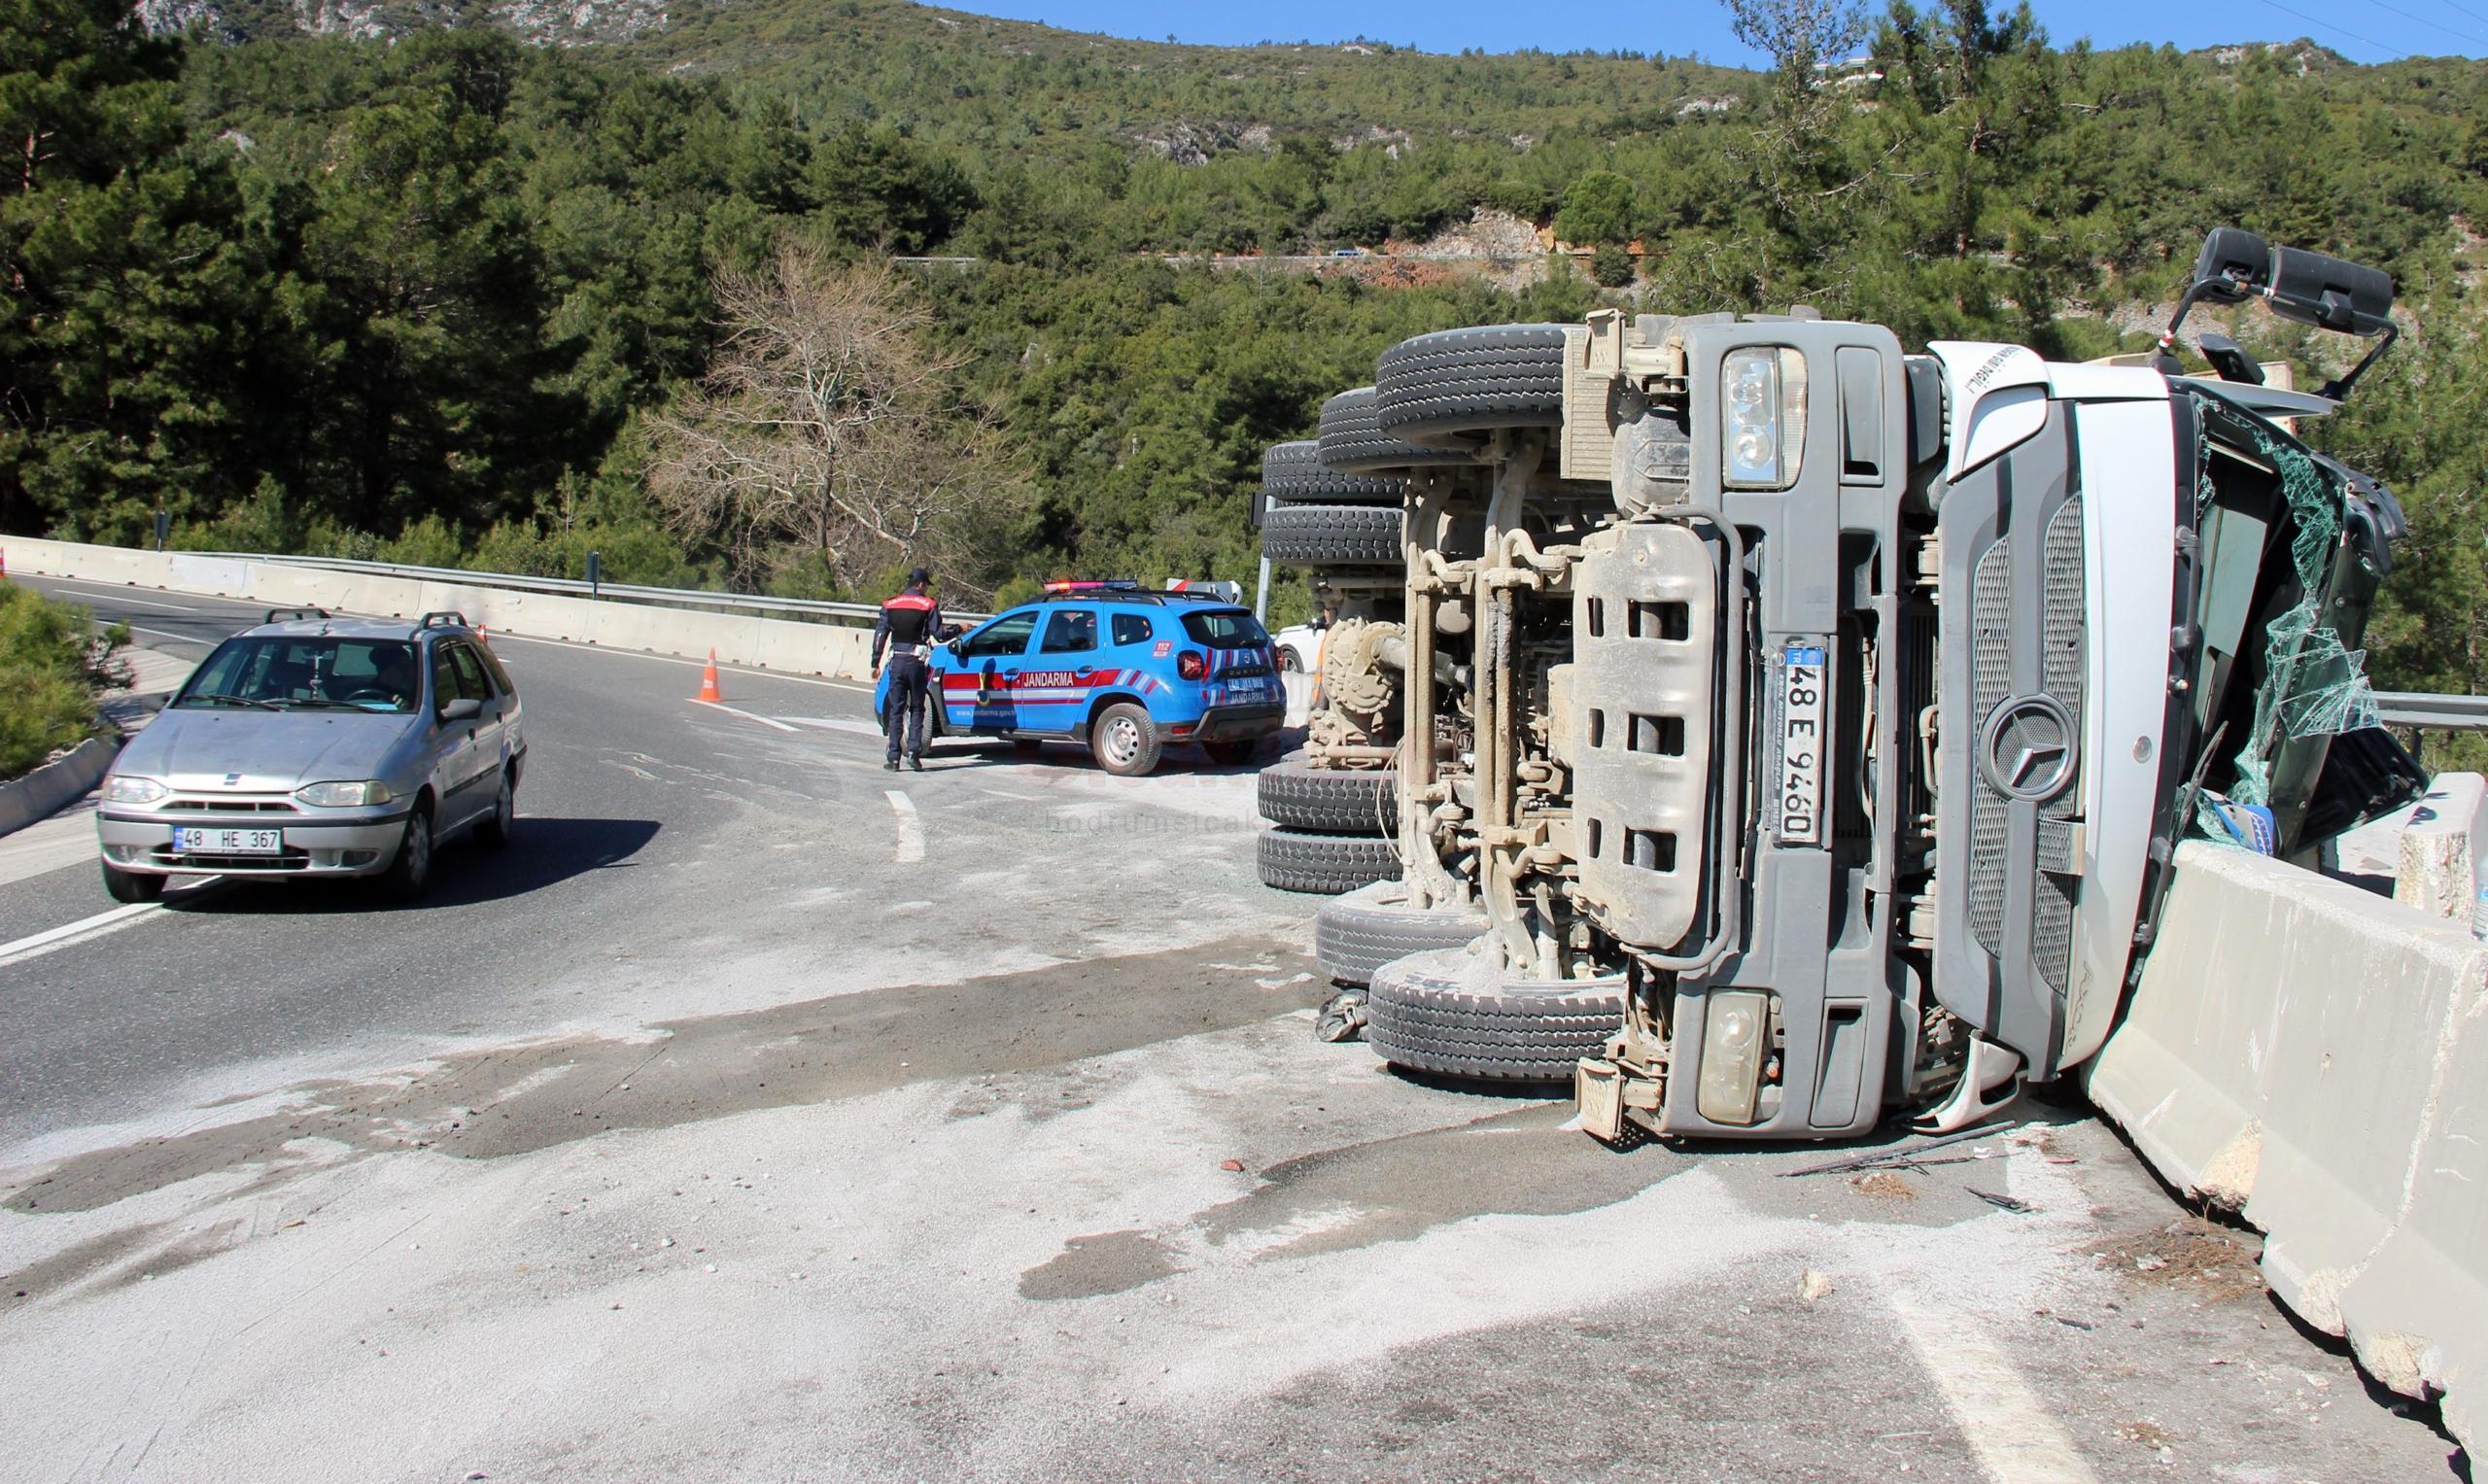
x=1116 y=667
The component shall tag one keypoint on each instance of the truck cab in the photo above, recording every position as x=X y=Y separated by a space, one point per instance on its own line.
x=1839 y=708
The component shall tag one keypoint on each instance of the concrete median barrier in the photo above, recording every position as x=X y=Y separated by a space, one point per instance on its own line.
x=745 y=639
x=2315 y=1057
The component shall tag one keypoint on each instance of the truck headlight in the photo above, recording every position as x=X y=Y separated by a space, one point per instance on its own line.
x=1734 y=1038
x=343 y=795
x=118 y=789
x=1762 y=416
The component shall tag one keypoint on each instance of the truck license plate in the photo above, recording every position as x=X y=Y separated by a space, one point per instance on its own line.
x=1801 y=746
x=189 y=841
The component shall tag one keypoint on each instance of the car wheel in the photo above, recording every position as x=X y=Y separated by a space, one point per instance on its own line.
x=1456 y=383
x=1124 y=741
x=1294 y=473
x=132 y=886
x=1333 y=536
x=1352 y=441
x=502 y=822
x=1288 y=661
x=1448 y=1012
x=1326 y=864
x=409 y=873
x=1232 y=753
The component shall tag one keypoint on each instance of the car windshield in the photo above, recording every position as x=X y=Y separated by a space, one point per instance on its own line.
x=316 y=672
x=1224 y=628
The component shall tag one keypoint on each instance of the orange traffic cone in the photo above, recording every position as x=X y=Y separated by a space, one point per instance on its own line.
x=708 y=682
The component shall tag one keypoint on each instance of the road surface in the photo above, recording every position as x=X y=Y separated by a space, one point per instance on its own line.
x=762 y=1114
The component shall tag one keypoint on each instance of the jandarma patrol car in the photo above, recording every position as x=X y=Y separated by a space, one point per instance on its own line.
x=1113 y=666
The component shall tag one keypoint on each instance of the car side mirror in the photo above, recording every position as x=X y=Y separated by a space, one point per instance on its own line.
x=463 y=708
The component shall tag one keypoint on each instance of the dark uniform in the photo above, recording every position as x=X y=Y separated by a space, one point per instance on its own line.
x=909 y=624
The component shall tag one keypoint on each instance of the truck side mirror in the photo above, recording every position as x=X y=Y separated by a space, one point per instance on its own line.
x=2233 y=263
x=2328 y=294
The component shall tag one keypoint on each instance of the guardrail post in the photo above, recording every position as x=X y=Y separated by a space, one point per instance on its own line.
x=164 y=528
x=595 y=572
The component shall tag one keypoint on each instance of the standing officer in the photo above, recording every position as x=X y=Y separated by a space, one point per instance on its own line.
x=909 y=624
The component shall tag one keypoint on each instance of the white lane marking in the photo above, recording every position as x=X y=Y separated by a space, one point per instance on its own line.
x=837 y=724
x=87 y=930
x=719 y=706
x=186 y=638
x=122 y=594
x=2015 y=1440
x=669 y=659
x=910 y=828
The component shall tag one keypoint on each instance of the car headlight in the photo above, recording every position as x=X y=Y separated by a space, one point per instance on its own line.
x=343 y=795
x=1762 y=416
x=118 y=789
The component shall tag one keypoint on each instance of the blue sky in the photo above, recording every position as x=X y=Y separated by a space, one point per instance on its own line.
x=2363 y=30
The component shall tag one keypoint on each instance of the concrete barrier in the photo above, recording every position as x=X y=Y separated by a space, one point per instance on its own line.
x=2316 y=1057
x=747 y=639
x=2436 y=866
x=63 y=781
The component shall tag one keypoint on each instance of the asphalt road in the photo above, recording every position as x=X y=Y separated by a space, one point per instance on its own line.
x=673 y=859
x=762 y=1114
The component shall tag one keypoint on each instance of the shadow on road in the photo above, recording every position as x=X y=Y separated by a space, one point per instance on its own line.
x=545 y=853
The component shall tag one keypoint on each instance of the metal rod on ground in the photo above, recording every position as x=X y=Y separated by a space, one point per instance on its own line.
x=1887 y=1155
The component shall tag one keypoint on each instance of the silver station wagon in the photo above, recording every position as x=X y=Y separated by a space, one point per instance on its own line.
x=313 y=746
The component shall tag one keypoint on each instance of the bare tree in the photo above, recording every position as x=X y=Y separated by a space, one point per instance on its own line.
x=827 y=426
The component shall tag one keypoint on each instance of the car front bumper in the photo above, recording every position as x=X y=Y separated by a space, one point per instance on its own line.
x=362 y=845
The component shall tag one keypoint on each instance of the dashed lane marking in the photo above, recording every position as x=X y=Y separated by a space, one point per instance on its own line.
x=87 y=930
x=766 y=721
x=911 y=828
x=186 y=638
x=118 y=594
x=669 y=659
x=2011 y=1430
x=835 y=724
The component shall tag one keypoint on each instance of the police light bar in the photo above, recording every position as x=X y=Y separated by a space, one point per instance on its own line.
x=1091 y=585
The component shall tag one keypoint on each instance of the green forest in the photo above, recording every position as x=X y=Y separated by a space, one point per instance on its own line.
x=454 y=297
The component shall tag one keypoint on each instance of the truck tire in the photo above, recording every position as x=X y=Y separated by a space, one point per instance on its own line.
x=1342 y=801
x=1444 y=1012
x=1294 y=473
x=1332 y=535
x=1451 y=385
x=1326 y=864
x=1358 y=933
x=1353 y=441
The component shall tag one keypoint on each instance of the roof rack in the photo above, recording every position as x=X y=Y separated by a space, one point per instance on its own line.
x=293 y=615
x=442 y=618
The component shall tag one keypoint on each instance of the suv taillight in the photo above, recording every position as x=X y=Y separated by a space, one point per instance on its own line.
x=1191 y=665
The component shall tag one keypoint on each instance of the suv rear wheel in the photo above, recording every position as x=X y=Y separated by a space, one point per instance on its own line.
x=1124 y=741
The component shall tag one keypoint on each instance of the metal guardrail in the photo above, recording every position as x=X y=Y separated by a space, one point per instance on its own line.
x=2432 y=712
x=624 y=592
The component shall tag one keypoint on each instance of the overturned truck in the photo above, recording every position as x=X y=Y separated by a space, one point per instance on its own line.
x=1794 y=729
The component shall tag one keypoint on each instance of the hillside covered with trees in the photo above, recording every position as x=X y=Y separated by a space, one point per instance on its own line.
x=441 y=292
